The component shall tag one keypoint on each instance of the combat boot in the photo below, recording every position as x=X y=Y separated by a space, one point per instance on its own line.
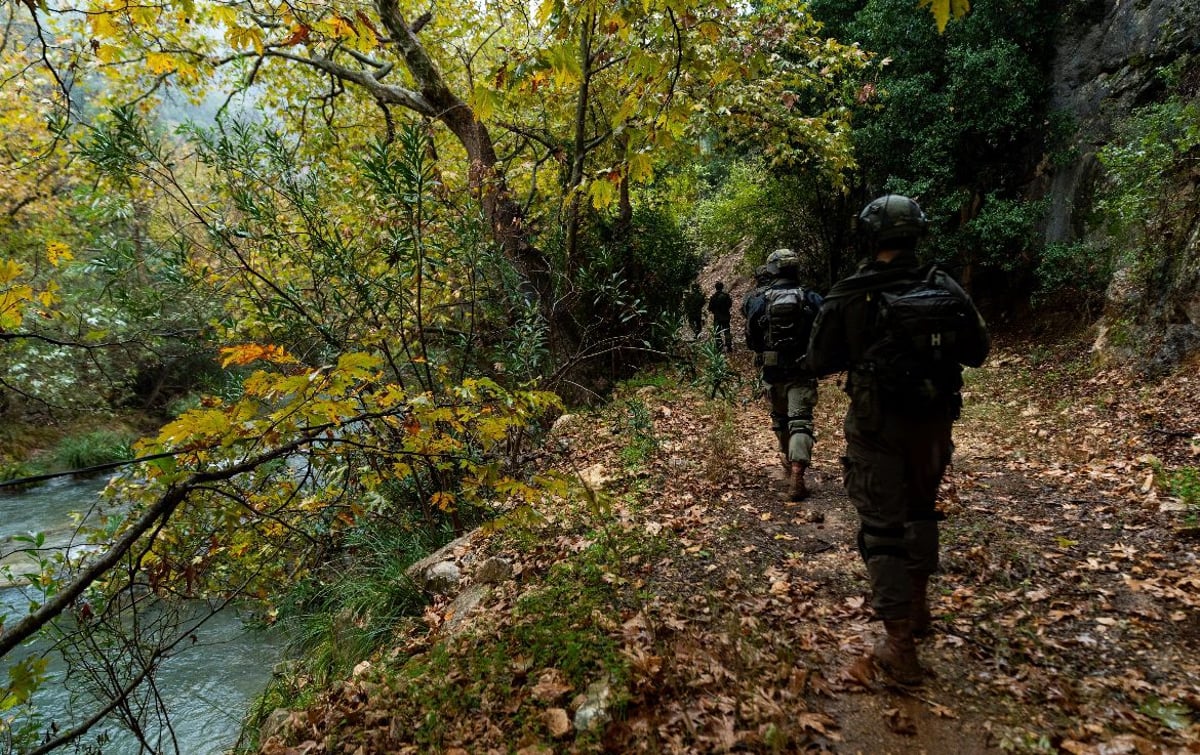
x=922 y=620
x=896 y=653
x=798 y=490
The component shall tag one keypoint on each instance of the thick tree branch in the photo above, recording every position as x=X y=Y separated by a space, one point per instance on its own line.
x=387 y=93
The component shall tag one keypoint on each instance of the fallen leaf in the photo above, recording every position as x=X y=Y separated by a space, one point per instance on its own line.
x=899 y=722
x=557 y=722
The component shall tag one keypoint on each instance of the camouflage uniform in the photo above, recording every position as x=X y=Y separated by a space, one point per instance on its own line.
x=790 y=388
x=897 y=446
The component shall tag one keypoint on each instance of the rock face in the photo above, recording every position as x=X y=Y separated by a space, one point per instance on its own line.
x=1107 y=64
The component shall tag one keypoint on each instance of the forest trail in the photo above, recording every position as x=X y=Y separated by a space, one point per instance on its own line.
x=1066 y=610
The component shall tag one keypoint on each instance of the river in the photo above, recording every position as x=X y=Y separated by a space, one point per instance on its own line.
x=206 y=684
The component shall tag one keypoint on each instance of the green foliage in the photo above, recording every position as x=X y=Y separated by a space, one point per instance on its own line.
x=1155 y=145
x=715 y=373
x=20 y=720
x=1184 y=483
x=948 y=117
x=661 y=264
x=636 y=426
x=565 y=625
x=18 y=469
x=1079 y=271
x=1004 y=233
x=751 y=208
x=632 y=286
x=340 y=616
x=1175 y=716
x=91 y=449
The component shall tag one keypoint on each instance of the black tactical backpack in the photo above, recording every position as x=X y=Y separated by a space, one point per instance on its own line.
x=925 y=331
x=786 y=325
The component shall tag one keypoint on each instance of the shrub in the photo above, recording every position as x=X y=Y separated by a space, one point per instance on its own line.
x=79 y=452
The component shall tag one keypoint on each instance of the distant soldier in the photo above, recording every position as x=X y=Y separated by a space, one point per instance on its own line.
x=902 y=332
x=693 y=307
x=720 y=305
x=779 y=318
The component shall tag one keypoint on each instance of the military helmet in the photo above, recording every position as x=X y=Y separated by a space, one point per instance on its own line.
x=893 y=216
x=782 y=260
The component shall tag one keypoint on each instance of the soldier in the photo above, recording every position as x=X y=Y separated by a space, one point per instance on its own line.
x=904 y=355
x=693 y=305
x=720 y=305
x=779 y=317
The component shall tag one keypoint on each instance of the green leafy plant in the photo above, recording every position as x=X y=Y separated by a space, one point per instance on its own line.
x=92 y=449
x=1184 y=484
x=637 y=425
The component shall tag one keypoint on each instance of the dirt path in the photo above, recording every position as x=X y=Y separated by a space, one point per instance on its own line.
x=1067 y=603
x=721 y=618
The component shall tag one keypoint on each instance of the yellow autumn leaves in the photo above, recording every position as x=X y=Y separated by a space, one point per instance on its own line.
x=17 y=293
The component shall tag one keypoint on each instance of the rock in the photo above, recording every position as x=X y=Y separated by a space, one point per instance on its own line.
x=551 y=685
x=461 y=607
x=594 y=476
x=565 y=423
x=594 y=711
x=493 y=571
x=445 y=553
x=274 y=723
x=442 y=577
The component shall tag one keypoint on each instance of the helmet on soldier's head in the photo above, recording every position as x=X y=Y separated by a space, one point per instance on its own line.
x=893 y=216
x=782 y=261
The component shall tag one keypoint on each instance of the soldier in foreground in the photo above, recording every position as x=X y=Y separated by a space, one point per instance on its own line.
x=779 y=318
x=902 y=332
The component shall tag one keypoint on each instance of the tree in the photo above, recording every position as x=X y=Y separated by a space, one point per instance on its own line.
x=340 y=242
x=954 y=119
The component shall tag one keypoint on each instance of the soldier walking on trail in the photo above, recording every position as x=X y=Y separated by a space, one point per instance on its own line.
x=720 y=305
x=902 y=333
x=779 y=318
x=693 y=306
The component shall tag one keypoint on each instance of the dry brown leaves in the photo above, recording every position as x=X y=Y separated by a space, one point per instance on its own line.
x=1067 y=609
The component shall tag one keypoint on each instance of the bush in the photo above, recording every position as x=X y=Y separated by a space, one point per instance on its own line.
x=82 y=451
x=1080 y=269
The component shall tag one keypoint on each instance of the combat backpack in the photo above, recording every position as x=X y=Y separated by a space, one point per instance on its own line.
x=925 y=331
x=786 y=324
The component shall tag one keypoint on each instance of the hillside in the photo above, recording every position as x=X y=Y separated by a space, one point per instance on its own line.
x=685 y=607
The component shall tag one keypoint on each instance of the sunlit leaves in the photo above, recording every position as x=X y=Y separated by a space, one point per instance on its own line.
x=13 y=294
x=943 y=10
x=24 y=677
x=57 y=252
x=252 y=352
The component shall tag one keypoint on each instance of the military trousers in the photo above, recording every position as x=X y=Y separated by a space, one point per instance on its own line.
x=893 y=467
x=792 y=402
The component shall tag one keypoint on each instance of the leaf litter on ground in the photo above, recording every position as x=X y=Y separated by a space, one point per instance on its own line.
x=1066 y=607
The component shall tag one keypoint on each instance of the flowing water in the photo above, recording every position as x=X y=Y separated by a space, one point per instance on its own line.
x=206 y=683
